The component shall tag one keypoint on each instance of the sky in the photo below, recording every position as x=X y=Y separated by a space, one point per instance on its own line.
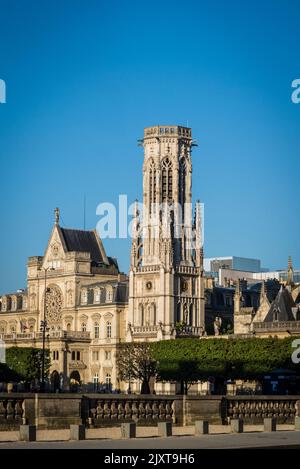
x=84 y=78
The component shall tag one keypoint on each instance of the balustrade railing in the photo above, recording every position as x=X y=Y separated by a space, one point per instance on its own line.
x=145 y=329
x=276 y=326
x=51 y=334
x=142 y=411
x=255 y=408
x=12 y=413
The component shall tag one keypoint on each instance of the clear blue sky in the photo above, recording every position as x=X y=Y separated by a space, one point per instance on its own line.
x=83 y=79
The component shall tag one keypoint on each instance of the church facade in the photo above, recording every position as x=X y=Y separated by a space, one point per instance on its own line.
x=87 y=306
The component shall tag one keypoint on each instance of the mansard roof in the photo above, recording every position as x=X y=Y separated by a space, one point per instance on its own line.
x=83 y=241
x=120 y=291
x=282 y=305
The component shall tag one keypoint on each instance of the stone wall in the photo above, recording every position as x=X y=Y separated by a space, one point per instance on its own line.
x=96 y=410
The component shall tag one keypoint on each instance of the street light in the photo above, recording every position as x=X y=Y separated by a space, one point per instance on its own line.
x=43 y=329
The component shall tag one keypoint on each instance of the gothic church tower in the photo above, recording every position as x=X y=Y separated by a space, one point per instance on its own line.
x=166 y=285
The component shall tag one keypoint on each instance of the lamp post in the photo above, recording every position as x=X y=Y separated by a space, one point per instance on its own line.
x=43 y=328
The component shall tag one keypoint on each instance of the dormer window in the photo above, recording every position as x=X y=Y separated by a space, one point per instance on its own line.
x=84 y=296
x=97 y=295
x=109 y=294
x=275 y=314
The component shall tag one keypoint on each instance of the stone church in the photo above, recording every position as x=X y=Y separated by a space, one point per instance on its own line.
x=88 y=305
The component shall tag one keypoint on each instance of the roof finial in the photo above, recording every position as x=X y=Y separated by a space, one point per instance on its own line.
x=262 y=290
x=290 y=272
x=56 y=211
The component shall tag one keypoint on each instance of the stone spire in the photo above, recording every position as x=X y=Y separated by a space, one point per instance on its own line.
x=198 y=236
x=56 y=212
x=237 y=297
x=290 y=272
x=262 y=291
x=136 y=238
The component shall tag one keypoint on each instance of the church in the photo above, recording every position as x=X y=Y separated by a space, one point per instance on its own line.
x=87 y=306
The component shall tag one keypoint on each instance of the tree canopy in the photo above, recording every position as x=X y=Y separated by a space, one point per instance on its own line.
x=26 y=362
x=197 y=360
x=135 y=362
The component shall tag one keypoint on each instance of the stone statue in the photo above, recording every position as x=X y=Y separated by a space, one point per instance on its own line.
x=217 y=325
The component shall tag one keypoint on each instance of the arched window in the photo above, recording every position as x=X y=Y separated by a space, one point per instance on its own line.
x=182 y=182
x=167 y=181
x=108 y=329
x=96 y=381
x=96 y=330
x=152 y=184
x=191 y=318
x=153 y=314
x=108 y=381
x=141 y=315
x=178 y=312
x=68 y=327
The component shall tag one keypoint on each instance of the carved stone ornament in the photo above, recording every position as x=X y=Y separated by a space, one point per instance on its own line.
x=53 y=304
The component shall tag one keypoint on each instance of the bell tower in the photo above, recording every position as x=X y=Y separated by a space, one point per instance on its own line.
x=166 y=272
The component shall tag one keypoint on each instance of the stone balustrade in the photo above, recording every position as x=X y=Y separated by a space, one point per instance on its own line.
x=12 y=413
x=279 y=326
x=48 y=410
x=144 y=329
x=140 y=409
x=148 y=268
x=254 y=409
x=28 y=336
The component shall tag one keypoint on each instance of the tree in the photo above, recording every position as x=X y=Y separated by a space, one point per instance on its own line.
x=135 y=362
x=191 y=360
x=26 y=362
x=7 y=374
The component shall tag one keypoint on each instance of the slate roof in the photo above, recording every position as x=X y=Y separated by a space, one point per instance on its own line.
x=272 y=287
x=283 y=304
x=82 y=241
x=120 y=291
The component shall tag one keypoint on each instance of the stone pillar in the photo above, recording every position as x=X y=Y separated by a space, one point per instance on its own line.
x=201 y=427
x=77 y=432
x=237 y=426
x=128 y=430
x=297 y=423
x=164 y=429
x=27 y=433
x=270 y=424
x=65 y=378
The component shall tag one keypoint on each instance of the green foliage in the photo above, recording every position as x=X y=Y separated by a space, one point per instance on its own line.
x=7 y=374
x=180 y=326
x=26 y=362
x=193 y=360
x=135 y=361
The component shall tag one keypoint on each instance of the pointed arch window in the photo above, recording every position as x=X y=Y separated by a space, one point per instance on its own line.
x=167 y=181
x=182 y=181
x=152 y=184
